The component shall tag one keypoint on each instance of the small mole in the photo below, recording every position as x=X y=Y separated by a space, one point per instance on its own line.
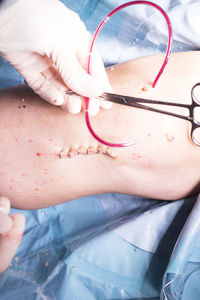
x=134 y=155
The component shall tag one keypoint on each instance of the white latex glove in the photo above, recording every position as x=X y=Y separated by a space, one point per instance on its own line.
x=48 y=44
x=11 y=231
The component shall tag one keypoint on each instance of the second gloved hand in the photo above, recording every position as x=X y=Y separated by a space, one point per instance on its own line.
x=48 y=44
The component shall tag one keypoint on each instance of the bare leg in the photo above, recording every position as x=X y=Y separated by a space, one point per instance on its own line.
x=38 y=141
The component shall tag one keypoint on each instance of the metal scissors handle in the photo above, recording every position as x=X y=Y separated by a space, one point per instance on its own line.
x=136 y=102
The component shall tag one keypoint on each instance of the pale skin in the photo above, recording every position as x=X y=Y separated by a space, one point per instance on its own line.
x=48 y=156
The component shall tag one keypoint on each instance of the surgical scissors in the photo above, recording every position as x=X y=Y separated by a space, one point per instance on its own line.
x=136 y=102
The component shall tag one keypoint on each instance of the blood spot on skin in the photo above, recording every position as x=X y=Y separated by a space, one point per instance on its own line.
x=38 y=154
x=36 y=189
x=30 y=141
x=149 y=134
x=10 y=188
x=136 y=156
x=50 y=140
x=148 y=166
x=144 y=89
x=23 y=174
x=55 y=101
x=16 y=139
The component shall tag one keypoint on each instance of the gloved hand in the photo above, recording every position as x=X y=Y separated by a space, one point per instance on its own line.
x=48 y=44
x=11 y=231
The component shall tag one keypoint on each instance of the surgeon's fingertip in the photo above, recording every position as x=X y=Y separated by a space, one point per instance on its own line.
x=73 y=104
x=4 y=205
x=5 y=223
x=57 y=100
x=52 y=96
x=92 y=89
x=93 y=107
x=105 y=104
x=18 y=222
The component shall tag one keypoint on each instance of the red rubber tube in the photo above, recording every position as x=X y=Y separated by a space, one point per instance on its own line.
x=168 y=52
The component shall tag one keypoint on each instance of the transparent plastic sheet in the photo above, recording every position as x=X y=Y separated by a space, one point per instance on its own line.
x=74 y=250
x=139 y=31
x=181 y=279
x=83 y=249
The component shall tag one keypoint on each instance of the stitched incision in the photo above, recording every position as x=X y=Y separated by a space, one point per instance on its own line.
x=69 y=152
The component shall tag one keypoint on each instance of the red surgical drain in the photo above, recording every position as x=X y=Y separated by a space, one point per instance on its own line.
x=168 y=52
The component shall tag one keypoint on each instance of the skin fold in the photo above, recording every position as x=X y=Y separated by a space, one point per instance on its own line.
x=48 y=156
